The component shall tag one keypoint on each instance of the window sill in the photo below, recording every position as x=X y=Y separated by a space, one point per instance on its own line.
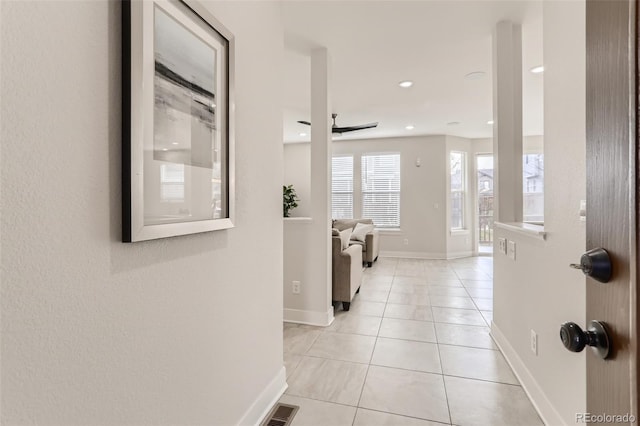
x=455 y=232
x=528 y=229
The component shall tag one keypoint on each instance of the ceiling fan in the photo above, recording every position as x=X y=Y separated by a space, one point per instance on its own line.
x=341 y=130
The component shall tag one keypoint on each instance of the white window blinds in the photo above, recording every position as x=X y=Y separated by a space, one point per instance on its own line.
x=381 y=189
x=342 y=187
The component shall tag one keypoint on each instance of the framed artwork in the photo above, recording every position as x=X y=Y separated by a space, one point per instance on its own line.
x=177 y=152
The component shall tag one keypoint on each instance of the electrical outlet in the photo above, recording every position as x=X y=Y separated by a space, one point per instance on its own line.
x=534 y=342
x=295 y=287
x=502 y=245
x=511 y=250
x=406 y=241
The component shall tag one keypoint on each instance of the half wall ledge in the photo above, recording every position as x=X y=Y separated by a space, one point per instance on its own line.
x=298 y=220
x=528 y=229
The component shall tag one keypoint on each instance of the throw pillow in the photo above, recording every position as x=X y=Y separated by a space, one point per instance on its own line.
x=344 y=238
x=360 y=231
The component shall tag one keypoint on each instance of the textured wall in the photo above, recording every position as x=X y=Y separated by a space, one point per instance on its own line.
x=177 y=331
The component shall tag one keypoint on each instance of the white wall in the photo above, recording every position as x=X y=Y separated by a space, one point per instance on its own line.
x=538 y=290
x=297 y=172
x=422 y=192
x=424 y=200
x=178 y=331
x=301 y=264
x=423 y=195
x=482 y=146
x=530 y=145
x=533 y=144
x=303 y=254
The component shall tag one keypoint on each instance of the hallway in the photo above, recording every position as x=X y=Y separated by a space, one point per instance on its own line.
x=413 y=350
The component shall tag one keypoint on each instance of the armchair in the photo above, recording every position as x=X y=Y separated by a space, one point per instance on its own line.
x=346 y=270
x=371 y=245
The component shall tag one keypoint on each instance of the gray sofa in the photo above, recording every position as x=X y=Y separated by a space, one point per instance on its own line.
x=346 y=271
x=370 y=247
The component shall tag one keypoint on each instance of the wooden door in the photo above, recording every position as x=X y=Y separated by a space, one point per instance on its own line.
x=612 y=100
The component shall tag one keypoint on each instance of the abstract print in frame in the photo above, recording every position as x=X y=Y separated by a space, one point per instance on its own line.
x=177 y=167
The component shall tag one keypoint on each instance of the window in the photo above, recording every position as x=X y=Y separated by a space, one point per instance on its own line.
x=484 y=233
x=457 y=172
x=342 y=187
x=381 y=189
x=533 y=188
x=172 y=183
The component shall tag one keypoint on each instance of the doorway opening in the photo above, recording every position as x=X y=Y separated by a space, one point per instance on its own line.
x=484 y=178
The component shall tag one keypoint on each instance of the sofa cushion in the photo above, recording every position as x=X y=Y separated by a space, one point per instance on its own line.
x=342 y=224
x=344 y=238
x=360 y=231
x=335 y=232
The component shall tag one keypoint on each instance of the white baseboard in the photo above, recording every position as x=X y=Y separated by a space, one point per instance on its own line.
x=299 y=316
x=541 y=403
x=266 y=400
x=426 y=255
x=459 y=254
x=414 y=255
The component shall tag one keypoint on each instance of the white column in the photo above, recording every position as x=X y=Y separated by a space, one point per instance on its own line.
x=321 y=166
x=507 y=116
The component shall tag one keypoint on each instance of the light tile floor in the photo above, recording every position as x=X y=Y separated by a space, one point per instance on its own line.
x=413 y=350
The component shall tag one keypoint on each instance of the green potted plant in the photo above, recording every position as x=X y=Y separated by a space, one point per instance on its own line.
x=289 y=199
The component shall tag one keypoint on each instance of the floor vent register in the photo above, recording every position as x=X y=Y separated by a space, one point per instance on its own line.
x=281 y=415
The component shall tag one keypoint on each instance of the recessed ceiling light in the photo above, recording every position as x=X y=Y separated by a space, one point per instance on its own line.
x=490 y=122
x=476 y=75
x=406 y=83
x=302 y=134
x=174 y=143
x=538 y=69
x=453 y=123
x=409 y=127
x=165 y=149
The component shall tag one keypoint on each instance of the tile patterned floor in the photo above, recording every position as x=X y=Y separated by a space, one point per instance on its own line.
x=414 y=350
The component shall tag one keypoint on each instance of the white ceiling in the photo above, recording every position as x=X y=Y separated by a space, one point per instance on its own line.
x=376 y=44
